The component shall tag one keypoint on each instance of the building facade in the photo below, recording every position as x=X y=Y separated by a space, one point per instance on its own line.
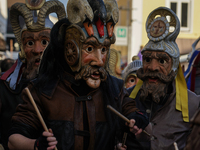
x=3 y=17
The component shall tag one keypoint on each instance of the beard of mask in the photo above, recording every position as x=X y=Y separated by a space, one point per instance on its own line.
x=88 y=70
x=30 y=71
x=154 y=91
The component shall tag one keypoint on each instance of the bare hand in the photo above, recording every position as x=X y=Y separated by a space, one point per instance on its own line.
x=52 y=142
x=120 y=147
x=133 y=128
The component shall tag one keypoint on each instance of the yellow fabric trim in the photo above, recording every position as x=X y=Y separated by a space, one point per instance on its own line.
x=182 y=95
x=136 y=89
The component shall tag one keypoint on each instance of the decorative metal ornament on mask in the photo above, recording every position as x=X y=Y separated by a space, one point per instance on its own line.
x=34 y=21
x=71 y=52
x=161 y=38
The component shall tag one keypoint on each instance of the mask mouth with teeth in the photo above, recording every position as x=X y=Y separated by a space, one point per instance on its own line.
x=92 y=75
x=37 y=61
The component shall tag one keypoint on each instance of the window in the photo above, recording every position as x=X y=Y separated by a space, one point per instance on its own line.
x=182 y=8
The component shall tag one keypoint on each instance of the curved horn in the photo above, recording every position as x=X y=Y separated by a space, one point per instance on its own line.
x=16 y=10
x=49 y=7
x=112 y=10
x=78 y=10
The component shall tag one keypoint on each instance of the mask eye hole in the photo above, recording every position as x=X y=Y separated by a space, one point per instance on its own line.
x=103 y=49
x=30 y=43
x=162 y=61
x=89 y=49
x=147 y=59
x=44 y=42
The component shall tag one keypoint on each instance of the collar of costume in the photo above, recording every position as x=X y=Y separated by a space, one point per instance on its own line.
x=181 y=94
x=34 y=21
x=161 y=38
x=14 y=74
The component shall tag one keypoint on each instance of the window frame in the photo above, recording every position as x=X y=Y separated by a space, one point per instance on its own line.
x=179 y=7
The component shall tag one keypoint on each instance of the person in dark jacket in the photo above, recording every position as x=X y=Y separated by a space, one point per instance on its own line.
x=74 y=88
x=162 y=91
x=33 y=37
x=7 y=64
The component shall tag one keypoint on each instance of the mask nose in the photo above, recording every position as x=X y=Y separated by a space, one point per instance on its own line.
x=98 y=61
x=154 y=66
x=38 y=49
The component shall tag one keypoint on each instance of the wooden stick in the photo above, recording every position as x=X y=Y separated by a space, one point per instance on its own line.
x=175 y=146
x=37 y=111
x=123 y=117
x=118 y=113
x=124 y=139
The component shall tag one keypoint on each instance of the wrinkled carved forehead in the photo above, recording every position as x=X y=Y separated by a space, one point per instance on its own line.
x=95 y=42
x=157 y=54
x=162 y=58
x=28 y=34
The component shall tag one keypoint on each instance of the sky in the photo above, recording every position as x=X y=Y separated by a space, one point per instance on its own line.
x=65 y=4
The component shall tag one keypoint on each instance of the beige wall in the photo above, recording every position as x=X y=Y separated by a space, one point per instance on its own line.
x=11 y=2
x=124 y=20
x=195 y=30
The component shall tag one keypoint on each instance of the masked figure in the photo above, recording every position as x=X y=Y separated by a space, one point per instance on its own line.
x=192 y=78
x=32 y=38
x=129 y=73
x=162 y=92
x=74 y=87
x=192 y=74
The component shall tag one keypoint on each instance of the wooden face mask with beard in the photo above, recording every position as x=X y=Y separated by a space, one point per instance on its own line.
x=156 y=74
x=34 y=44
x=93 y=61
x=87 y=56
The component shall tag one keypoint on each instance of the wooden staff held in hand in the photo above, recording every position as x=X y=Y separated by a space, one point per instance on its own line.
x=123 y=117
x=37 y=111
